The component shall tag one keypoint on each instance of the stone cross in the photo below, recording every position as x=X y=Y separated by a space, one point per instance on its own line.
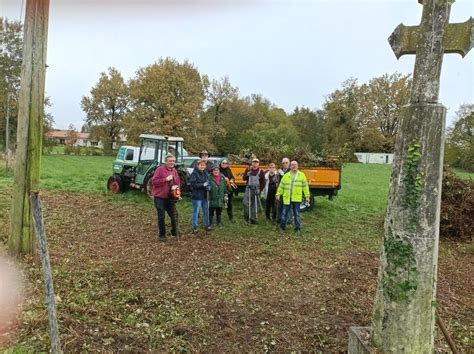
x=403 y=320
x=429 y=41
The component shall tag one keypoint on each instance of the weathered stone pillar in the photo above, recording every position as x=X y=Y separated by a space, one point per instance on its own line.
x=404 y=312
x=405 y=304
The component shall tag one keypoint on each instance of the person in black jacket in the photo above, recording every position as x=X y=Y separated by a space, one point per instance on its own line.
x=285 y=168
x=271 y=178
x=199 y=182
x=204 y=155
x=227 y=172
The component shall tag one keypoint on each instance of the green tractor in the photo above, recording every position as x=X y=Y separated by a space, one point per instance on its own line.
x=134 y=166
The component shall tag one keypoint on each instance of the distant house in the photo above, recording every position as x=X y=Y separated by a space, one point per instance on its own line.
x=374 y=157
x=60 y=137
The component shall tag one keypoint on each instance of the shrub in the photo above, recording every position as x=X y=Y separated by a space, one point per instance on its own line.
x=96 y=152
x=457 y=207
x=68 y=149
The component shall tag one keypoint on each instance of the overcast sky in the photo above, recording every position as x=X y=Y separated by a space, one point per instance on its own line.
x=294 y=52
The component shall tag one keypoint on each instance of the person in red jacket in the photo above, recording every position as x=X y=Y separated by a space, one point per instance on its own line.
x=164 y=180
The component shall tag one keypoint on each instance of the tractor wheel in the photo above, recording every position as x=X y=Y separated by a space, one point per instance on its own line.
x=149 y=187
x=114 y=184
x=305 y=207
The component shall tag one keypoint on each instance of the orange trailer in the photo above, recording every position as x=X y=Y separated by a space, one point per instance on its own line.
x=323 y=181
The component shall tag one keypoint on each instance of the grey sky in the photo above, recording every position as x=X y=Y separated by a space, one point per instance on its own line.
x=294 y=52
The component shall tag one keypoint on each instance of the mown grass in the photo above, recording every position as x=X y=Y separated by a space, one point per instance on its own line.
x=464 y=174
x=85 y=174
x=353 y=219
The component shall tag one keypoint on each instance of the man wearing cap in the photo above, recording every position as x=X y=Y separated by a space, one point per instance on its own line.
x=255 y=178
x=204 y=155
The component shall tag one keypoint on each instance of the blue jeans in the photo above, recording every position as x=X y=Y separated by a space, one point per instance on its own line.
x=295 y=208
x=200 y=204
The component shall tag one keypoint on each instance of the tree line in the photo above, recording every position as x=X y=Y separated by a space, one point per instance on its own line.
x=173 y=98
x=11 y=56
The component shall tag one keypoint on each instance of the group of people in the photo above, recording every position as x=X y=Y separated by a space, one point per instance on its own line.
x=284 y=190
x=212 y=189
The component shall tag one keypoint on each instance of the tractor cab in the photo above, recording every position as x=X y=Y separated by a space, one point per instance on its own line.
x=153 y=151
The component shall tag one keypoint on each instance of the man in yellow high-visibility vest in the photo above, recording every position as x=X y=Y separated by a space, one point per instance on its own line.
x=293 y=189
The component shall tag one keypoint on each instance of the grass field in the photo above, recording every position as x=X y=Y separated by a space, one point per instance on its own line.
x=240 y=288
x=360 y=203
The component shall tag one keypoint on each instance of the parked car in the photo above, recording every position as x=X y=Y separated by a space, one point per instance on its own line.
x=188 y=161
x=213 y=159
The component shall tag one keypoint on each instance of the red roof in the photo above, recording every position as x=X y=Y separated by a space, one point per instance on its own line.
x=64 y=134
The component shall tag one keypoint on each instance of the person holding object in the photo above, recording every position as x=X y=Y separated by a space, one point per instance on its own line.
x=255 y=178
x=271 y=180
x=217 y=194
x=227 y=172
x=293 y=190
x=199 y=183
x=164 y=180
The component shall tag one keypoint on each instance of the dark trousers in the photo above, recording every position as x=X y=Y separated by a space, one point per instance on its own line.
x=285 y=212
x=164 y=206
x=217 y=212
x=229 y=206
x=270 y=204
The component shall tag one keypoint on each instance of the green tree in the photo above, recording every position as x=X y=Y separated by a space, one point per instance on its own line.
x=340 y=114
x=11 y=51
x=47 y=126
x=459 y=151
x=167 y=98
x=380 y=110
x=71 y=136
x=219 y=94
x=238 y=117
x=311 y=128
x=366 y=117
x=107 y=107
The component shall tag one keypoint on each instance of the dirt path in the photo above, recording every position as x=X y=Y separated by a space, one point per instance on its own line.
x=120 y=289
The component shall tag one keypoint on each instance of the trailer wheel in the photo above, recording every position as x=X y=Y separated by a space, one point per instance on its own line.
x=304 y=207
x=114 y=184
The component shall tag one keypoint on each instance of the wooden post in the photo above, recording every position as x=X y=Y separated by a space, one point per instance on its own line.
x=37 y=214
x=404 y=314
x=7 y=124
x=7 y=129
x=30 y=123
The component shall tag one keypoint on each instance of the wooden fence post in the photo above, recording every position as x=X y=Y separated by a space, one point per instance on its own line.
x=48 y=276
